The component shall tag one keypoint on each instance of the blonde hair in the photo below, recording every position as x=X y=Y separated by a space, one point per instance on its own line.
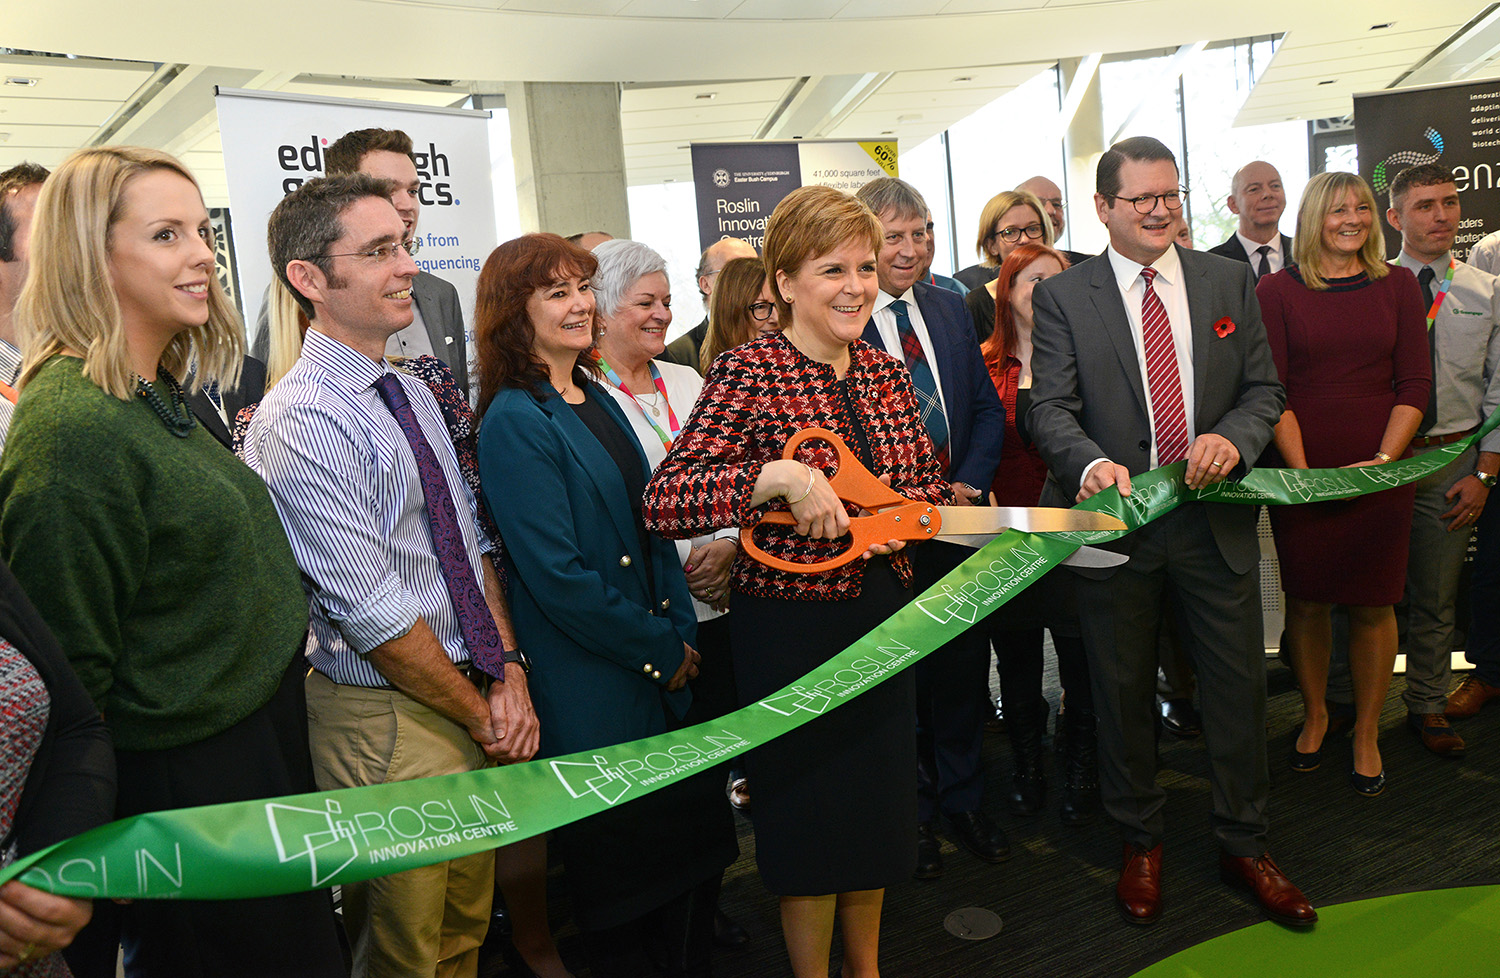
x=69 y=300
x=996 y=208
x=1322 y=194
x=812 y=221
x=729 y=321
x=286 y=325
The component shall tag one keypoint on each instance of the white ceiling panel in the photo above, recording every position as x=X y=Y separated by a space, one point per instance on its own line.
x=75 y=78
x=784 y=9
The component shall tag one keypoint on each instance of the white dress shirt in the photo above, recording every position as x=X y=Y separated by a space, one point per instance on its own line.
x=885 y=324
x=1172 y=291
x=1274 y=256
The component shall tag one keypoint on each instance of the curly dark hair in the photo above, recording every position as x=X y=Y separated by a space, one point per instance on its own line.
x=503 y=332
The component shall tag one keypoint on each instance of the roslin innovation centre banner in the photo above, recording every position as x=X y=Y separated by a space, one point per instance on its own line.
x=273 y=142
x=1457 y=126
x=737 y=185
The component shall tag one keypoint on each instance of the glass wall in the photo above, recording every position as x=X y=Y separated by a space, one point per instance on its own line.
x=1215 y=84
x=1010 y=140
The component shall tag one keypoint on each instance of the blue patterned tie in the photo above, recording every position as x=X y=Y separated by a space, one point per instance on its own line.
x=925 y=383
x=475 y=620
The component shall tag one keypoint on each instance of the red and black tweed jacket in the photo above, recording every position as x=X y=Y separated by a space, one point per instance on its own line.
x=755 y=397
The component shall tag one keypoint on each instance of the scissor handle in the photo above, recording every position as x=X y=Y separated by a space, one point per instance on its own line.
x=852 y=482
x=912 y=521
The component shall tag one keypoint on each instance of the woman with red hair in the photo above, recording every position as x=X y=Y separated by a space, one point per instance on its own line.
x=1016 y=629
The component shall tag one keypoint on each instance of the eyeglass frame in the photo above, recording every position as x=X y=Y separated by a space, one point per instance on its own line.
x=410 y=247
x=769 y=307
x=1180 y=193
x=1020 y=232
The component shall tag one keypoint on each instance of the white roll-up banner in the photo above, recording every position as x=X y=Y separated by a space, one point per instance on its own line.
x=273 y=142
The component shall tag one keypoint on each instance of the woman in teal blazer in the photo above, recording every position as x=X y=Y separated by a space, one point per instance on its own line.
x=601 y=607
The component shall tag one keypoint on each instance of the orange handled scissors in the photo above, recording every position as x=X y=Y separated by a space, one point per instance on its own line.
x=895 y=517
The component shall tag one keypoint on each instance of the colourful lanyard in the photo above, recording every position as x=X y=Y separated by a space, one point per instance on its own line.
x=1442 y=293
x=614 y=378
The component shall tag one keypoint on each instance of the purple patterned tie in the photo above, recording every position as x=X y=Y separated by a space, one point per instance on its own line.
x=475 y=620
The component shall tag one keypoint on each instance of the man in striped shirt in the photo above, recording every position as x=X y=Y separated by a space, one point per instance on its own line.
x=355 y=456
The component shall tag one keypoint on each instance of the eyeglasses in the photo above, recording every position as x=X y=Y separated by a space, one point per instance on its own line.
x=380 y=254
x=1032 y=231
x=1146 y=203
x=762 y=310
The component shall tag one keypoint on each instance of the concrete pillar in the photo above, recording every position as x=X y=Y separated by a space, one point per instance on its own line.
x=1083 y=144
x=569 y=157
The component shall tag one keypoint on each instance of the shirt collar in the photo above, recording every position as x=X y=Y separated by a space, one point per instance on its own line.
x=1439 y=267
x=1251 y=246
x=884 y=298
x=345 y=364
x=10 y=361
x=1127 y=272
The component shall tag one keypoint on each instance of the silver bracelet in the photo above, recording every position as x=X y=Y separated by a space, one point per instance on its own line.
x=810 y=479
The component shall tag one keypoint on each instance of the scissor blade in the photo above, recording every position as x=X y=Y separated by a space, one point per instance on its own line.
x=1082 y=557
x=965 y=520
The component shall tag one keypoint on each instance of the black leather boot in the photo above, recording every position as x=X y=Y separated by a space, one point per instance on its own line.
x=1027 y=728
x=1080 y=803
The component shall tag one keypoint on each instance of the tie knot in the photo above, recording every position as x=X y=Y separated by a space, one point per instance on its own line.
x=1149 y=274
x=390 y=390
x=898 y=306
x=1263 y=250
x=1426 y=275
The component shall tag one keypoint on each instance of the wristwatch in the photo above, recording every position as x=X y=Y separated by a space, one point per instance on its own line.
x=1487 y=479
x=519 y=658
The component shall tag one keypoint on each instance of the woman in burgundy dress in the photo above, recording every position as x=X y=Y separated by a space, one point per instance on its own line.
x=1347 y=333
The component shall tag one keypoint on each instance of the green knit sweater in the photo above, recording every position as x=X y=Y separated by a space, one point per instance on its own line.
x=158 y=561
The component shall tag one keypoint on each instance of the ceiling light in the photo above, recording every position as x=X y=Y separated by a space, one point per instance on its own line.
x=706 y=96
x=1328 y=82
x=21 y=80
x=4 y=136
x=964 y=78
x=1381 y=27
x=888 y=132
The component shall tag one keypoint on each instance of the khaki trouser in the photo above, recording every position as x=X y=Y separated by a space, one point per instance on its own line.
x=425 y=921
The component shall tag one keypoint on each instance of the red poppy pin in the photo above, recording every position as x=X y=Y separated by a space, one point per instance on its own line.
x=1224 y=327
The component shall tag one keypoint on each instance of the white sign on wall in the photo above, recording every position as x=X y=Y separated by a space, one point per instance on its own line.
x=273 y=142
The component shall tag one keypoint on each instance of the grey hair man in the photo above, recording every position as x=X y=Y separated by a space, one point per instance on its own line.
x=19 y=188
x=1258 y=199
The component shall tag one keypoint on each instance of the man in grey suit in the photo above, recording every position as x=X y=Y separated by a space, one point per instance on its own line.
x=1148 y=355
x=437 y=326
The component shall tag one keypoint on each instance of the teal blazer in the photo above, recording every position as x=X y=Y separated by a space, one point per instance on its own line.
x=580 y=588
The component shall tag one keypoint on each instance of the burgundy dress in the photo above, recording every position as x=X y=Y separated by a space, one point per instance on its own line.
x=1347 y=355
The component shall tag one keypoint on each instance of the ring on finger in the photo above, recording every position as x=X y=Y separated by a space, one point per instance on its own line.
x=1216 y=464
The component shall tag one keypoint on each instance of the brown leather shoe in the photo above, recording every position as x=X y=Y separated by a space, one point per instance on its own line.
x=1138 y=894
x=1470 y=695
x=1277 y=896
x=1437 y=734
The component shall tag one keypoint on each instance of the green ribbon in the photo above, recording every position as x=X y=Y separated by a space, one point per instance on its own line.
x=304 y=842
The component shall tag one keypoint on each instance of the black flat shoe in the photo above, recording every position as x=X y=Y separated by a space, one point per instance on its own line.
x=1365 y=785
x=727 y=933
x=1305 y=763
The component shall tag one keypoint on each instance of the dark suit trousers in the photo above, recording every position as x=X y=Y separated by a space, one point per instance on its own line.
x=951 y=705
x=1484 y=599
x=1219 y=615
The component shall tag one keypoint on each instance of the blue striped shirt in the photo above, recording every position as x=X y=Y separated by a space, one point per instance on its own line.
x=345 y=483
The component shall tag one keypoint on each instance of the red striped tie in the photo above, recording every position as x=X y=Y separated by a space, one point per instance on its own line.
x=1161 y=374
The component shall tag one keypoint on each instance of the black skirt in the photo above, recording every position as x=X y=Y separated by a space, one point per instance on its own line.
x=835 y=802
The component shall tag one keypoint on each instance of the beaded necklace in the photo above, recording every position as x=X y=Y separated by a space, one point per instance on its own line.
x=178 y=417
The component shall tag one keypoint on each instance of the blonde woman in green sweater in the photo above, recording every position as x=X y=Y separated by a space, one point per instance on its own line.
x=152 y=552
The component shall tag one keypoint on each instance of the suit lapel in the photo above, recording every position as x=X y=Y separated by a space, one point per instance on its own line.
x=1111 y=308
x=208 y=416
x=1201 y=306
x=942 y=352
x=599 y=466
x=432 y=322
